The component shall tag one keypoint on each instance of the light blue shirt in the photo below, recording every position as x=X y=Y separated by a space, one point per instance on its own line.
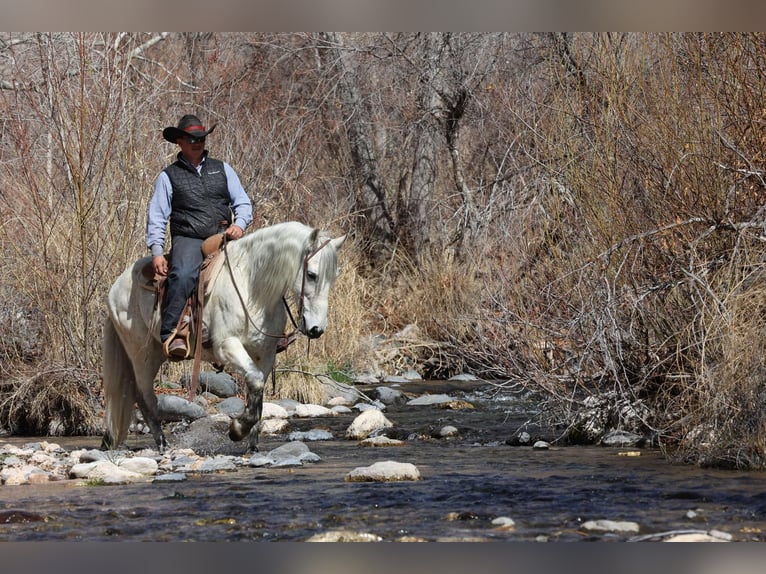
x=159 y=207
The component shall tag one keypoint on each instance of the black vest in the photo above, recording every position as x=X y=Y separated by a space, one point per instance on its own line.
x=201 y=202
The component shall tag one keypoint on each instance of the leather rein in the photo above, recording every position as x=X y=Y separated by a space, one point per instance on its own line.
x=306 y=260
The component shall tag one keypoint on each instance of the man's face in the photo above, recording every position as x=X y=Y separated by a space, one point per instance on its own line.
x=189 y=149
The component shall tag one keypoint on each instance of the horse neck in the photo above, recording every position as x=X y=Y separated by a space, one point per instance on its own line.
x=267 y=262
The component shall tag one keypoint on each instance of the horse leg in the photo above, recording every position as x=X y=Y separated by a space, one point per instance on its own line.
x=146 y=368
x=235 y=356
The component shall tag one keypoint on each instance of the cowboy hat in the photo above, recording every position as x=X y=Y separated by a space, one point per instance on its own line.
x=189 y=125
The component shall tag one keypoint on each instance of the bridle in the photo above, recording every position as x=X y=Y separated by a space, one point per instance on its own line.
x=301 y=305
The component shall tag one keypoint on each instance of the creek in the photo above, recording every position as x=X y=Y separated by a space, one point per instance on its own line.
x=467 y=482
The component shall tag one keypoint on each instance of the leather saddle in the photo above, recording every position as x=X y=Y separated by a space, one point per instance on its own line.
x=186 y=327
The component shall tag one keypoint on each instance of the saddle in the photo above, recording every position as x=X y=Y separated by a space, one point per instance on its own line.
x=187 y=328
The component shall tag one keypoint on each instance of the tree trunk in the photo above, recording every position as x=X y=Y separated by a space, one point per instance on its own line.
x=374 y=222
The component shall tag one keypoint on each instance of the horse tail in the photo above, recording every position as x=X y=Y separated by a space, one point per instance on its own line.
x=119 y=387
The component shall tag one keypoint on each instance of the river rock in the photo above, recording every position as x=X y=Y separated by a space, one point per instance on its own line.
x=175 y=408
x=426 y=400
x=232 y=406
x=220 y=384
x=464 y=377
x=104 y=471
x=273 y=426
x=395 y=379
x=344 y=536
x=309 y=411
x=290 y=454
x=290 y=405
x=611 y=526
x=448 y=431
x=340 y=410
x=384 y=471
x=412 y=375
x=139 y=464
x=366 y=423
x=377 y=405
x=311 y=435
x=382 y=440
x=389 y=396
x=274 y=411
x=620 y=438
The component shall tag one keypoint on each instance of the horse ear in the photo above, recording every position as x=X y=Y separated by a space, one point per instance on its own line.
x=338 y=241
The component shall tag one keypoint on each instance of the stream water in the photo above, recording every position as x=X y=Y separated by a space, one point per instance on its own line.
x=466 y=483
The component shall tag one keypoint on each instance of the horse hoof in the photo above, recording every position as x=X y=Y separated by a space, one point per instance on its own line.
x=235 y=431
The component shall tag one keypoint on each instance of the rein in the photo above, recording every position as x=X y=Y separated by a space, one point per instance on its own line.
x=284 y=300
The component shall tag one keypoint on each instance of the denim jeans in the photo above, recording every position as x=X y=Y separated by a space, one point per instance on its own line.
x=185 y=260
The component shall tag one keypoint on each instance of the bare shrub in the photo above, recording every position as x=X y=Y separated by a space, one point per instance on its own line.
x=61 y=401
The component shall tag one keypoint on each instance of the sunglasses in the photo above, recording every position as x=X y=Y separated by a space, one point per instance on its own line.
x=193 y=140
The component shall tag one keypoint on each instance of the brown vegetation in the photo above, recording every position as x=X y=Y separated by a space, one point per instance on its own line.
x=581 y=214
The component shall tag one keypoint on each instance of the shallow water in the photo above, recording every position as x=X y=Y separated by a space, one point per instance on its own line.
x=466 y=482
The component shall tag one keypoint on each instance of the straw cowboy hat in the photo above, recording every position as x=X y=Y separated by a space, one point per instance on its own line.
x=189 y=125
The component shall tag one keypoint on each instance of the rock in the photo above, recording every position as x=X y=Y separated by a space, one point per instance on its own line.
x=309 y=411
x=610 y=526
x=232 y=406
x=290 y=454
x=377 y=405
x=395 y=379
x=340 y=410
x=425 y=400
x=274 y=411
x=366 y=423
x=273 y=426
x=620 y=438
x=220 y=384
x=710 y=536
x=381 y=441
x=448 y=431
x=366 y=379
x=171 y=477
x=385 y=471
x=313 y=434
x=288 y=404
x=339 y=401
x=344 y=536
x=541 y=445
x=104 y=471
x=504 y=523
x=412 y=375
x=389 y=396
x=464 y=377
x=139 y=464
x=175 y=408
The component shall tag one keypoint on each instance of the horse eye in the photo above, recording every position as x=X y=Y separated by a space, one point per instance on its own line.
x=311 y=275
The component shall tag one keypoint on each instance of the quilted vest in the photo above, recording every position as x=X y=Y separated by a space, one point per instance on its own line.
x=200 y=202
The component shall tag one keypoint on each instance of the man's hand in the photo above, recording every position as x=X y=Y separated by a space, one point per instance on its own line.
x=160 y=265
x=233 y=232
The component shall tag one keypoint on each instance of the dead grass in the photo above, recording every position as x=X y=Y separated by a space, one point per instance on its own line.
x=55 y=402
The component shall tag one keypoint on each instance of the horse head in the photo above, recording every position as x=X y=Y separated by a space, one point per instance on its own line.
x=314 y=281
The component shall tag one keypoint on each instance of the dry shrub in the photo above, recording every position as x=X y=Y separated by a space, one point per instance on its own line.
x=54 y=402
x=725 y=424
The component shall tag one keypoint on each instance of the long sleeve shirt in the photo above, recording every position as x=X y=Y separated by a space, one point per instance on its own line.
x=160 y=207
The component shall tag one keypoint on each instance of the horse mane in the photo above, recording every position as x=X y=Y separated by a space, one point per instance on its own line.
x=271 y=258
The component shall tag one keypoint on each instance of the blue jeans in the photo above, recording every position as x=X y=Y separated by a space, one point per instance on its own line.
x=183 y=271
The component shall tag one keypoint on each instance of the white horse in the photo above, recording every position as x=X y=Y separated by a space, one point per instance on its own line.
x=243 y=318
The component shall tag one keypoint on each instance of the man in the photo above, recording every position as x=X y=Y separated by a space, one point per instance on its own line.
x=199 y=196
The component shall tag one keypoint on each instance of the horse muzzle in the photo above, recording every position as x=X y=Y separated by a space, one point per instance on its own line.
x=314 y=333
